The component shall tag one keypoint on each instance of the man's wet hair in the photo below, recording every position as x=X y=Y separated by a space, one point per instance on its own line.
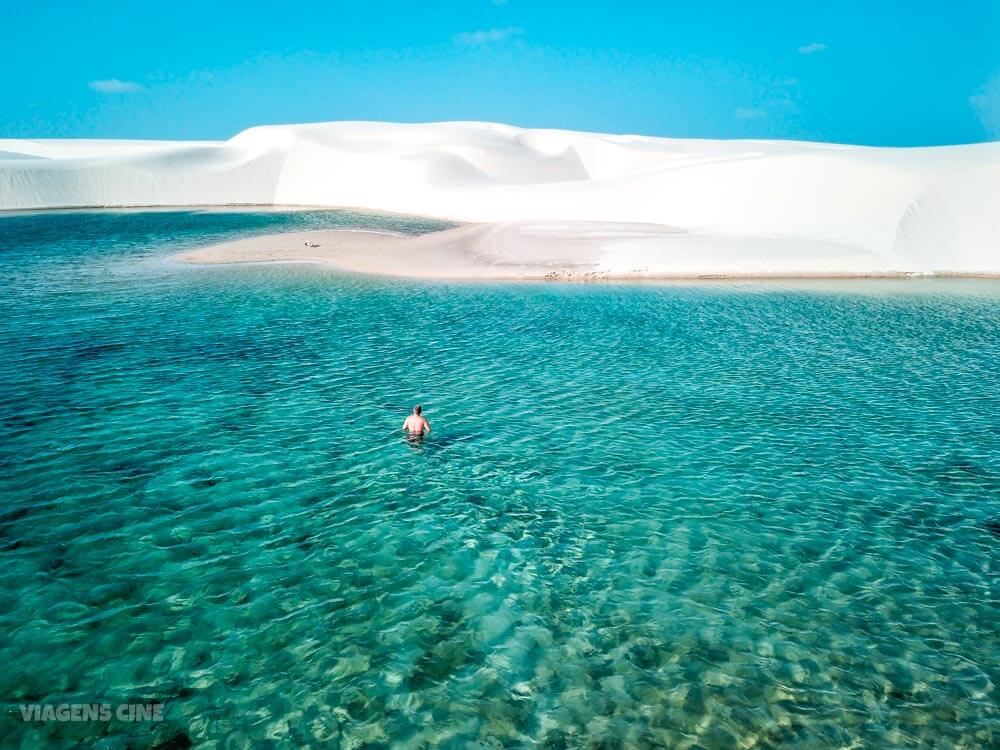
x=417 y=409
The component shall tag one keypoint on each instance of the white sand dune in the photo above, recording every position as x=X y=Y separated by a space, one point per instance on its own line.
x=557 y=201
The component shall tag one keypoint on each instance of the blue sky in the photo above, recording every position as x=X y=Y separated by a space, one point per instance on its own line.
x=878 y=73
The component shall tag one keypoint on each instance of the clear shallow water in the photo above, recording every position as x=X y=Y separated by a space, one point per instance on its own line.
x=649 y=515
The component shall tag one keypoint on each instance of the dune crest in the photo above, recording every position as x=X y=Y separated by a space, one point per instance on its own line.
x=727 y=207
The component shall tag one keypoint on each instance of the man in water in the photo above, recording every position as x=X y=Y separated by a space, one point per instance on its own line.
x=416 y=425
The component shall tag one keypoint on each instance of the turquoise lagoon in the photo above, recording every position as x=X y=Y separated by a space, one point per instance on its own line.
x=650 y=515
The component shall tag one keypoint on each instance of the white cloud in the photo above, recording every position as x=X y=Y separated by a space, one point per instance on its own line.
x=488 y=36
x=114 y=86
x=812 y=48
x=986 y=104
x=749 y=113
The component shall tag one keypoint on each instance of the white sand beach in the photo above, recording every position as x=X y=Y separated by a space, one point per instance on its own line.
x=554 y=203
x=563 y=251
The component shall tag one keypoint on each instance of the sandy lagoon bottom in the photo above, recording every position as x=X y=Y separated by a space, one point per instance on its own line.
x=714 y=516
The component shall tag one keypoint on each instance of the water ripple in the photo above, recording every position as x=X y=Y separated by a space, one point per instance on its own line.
x=648 y=516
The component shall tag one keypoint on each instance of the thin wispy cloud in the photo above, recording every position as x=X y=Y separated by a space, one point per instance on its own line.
x=114 y=86
x=749 y=113
x=812 y=48
x=488 y=36
x=986 y=104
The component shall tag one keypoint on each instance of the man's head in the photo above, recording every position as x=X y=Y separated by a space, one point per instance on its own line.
x=418 y=409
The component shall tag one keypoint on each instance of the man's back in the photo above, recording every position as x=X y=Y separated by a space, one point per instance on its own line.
x=416 y=423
